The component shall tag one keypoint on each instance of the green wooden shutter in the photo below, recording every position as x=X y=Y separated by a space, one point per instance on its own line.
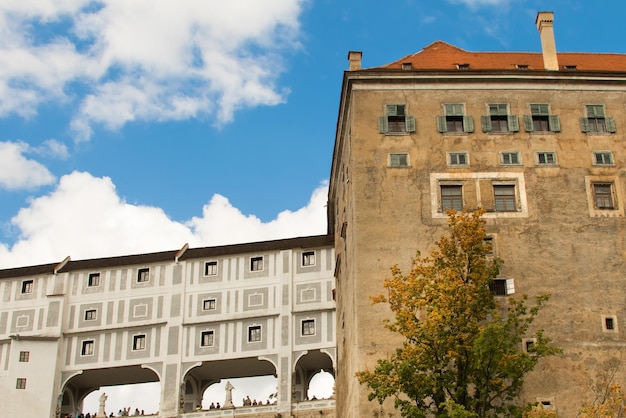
x=584 y=124
x=383 y=126
x=513 y=121
x=528 y=123
x=554 y=123
x=392 y=110
x=468 y=124
x=610 y=125
x=441 y=124
x=485 y=121
x=410 y=123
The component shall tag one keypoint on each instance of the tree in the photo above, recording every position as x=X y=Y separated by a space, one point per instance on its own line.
x=462 y=354
x=609 y=398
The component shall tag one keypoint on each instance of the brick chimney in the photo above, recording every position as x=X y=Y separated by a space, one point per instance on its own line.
x=544 y=24
x=354 y=57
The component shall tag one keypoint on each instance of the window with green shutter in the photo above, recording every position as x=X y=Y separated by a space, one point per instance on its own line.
x=454 y=119
x=396 y=120
x=499 y=120
x=596 y=121
x=540 y=119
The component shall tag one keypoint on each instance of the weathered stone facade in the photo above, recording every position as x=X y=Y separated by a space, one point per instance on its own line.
x=414 y=137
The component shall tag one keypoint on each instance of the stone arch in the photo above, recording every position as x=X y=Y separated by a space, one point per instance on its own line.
x=307 y=364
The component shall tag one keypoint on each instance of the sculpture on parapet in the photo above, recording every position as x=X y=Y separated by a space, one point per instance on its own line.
x=228 y=403
x=102 y=403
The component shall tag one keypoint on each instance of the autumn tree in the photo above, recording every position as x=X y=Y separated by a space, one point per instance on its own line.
x=609 y=397
x=462 y=354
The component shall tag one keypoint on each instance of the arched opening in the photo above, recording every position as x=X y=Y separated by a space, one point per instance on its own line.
x=321 y=386
x=133 y=387
x=311 y=364
x=206 y=383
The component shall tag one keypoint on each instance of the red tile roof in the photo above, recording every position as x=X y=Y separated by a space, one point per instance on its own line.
x=442 y=56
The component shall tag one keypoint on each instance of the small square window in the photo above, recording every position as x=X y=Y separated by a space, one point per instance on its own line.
x=143 y=275
x=207 y=339
x=603 y=158
x=27 y=286
x=20 y=383
x=256 y=264
x=87 y=348
x=546 y=158
x=510 y=158
x=398 y=160
x=488 y=245
x=24 y=356
x=609 y=323
x=529 y=344
x=502 y=287
x=209 y=304
x=308 y=258
x=91 y=315
x=308 y=327
x=93 y=280
x=457 y=158
x=522 y=66
x=210 y=268
x=139 y=342
x=254 y=334
x=407 y=66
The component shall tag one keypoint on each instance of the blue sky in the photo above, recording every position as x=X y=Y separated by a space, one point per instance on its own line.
x=130 y=127
x=139 y=126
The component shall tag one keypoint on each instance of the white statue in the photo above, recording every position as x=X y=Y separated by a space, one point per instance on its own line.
x=102 y=400
x=228 y=403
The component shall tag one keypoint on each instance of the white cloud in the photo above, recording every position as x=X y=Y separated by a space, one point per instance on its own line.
x=19 y=172
x=85 y=218
x=149 y=60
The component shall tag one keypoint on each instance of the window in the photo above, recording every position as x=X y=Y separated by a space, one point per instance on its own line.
x=569 y=67
x=499 y=119
x=398 y=160
x=451 y=197
x=454 y=119
x=488 y=246
x=504 y=198
x=93 y=280
x=207 y=339
x=602 y=158
x=462 y=66
x=596 y=120
x=91 y=315
x=609 y=323
x=396 y=120
x=502 y=287
x=209 y=304
x=210 y=268
x=603 y=195
x=24 y=356
x=20 y=383
x=458 y=158
x=87 y=348
x=540 y=119
x=139 y=342
x=529 y=344
x=407 y=66
x=509 y=158
x=522 y=66
x=308 y=327
x=308 y=258
x=254 y=334
x=546 y=158
x=143 y=275
x=256 y=264
x=27 y=286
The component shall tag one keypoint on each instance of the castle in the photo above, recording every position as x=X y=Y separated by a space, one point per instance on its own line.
x=536 y=139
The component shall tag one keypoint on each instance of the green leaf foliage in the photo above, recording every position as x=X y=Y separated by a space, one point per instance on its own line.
x=462 y=353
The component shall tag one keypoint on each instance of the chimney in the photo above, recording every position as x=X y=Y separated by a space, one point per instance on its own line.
x=354 y=57
x=544 y=24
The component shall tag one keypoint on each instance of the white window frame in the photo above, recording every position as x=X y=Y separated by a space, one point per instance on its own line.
x=257 y=263
x=545 y=155
x=143 y=275
x=210 y=268
x=87 y=348
x=139 y=342
x=255 y=333
x=605 y=323
x=603 y=155
x=398 y=160
x=91 y=314
x=308 y=258
x=210 y=337
x=209 y=304
x=27 y=286
x=507 y=157
x=458 y=158
x=93 y=280
x=305 y=327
